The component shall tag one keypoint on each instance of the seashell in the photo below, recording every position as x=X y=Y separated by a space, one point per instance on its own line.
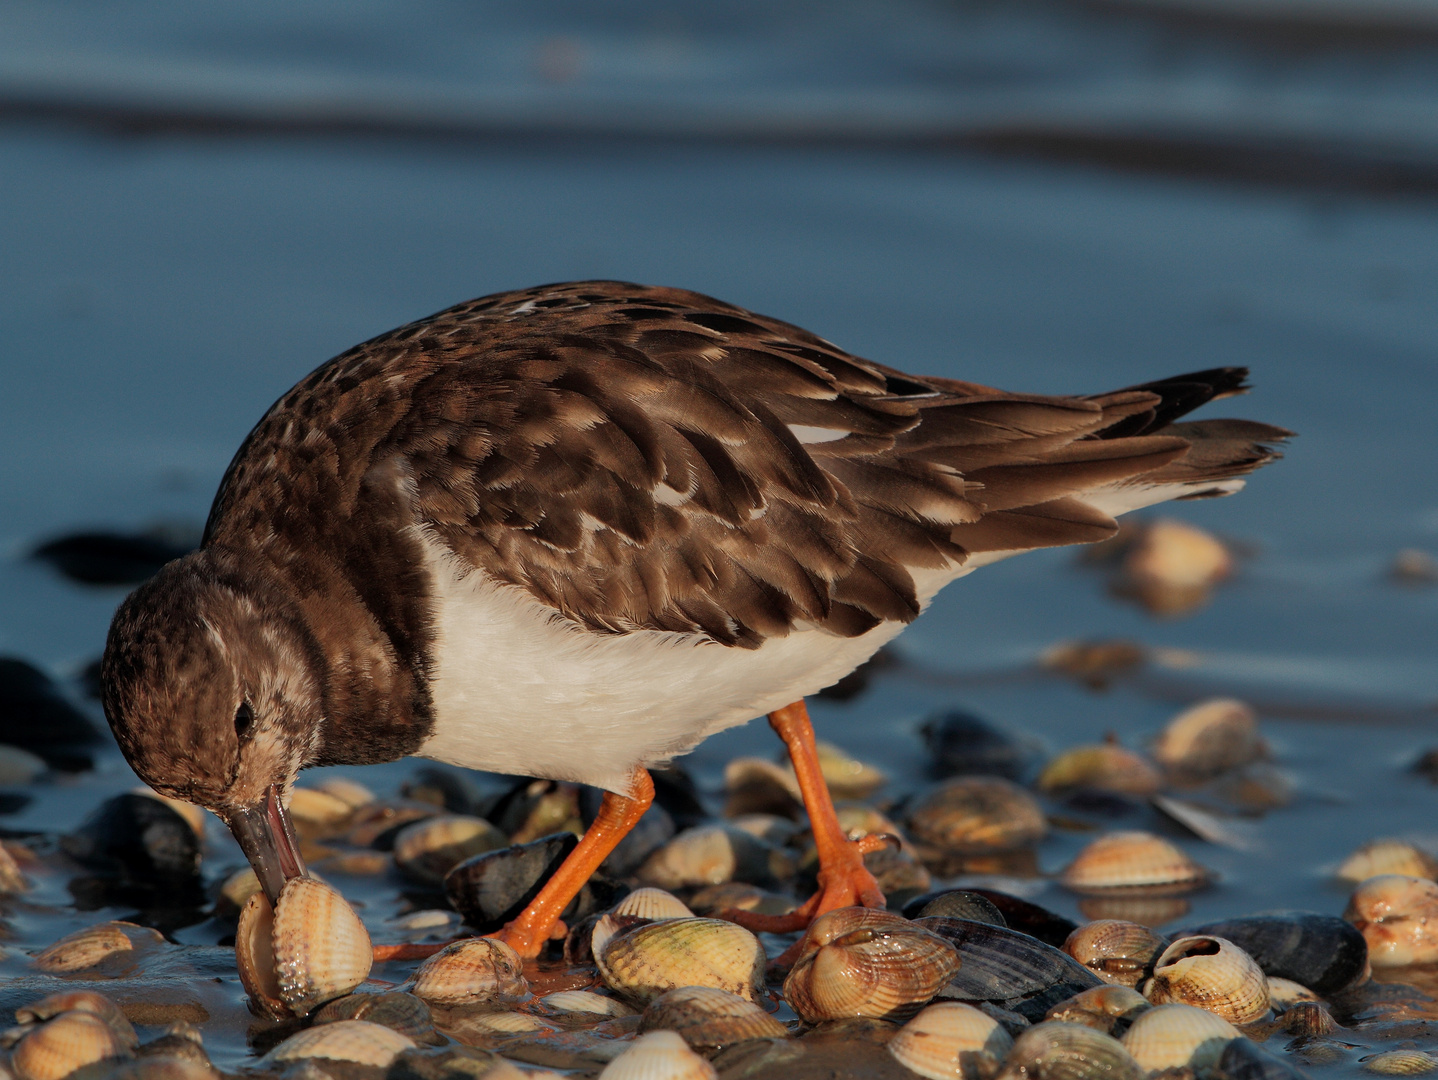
x=436 y=919
x=945 y=1041
x=255 y=955
x=955 y=904
x=1117 y=951
x=194 y=816
x=1170 y=554
x=19 y=767
x=1322 y=952
x=1177 y=1036
x=91 y=946
x=1029 y=918
x=735 y=894
x=1304 y=1018
x=12 y=878
x=642 y=962
x=587 y=1003
x=69 y=1042
x=1413 y=566
x=318 y=813
x=1008 y=969
x=659 y=1055
x=653 y=904
x=1094 y=663
x=755 y=785
x=504 y=1023
x=312 y=949
x=711 y=855
x=1401 y=1063
x=239 y=887
x=864 y=962
x=1103 y=767
x=344 y=1040
x=396 y=1010
x=1209 y=738
x=1378 y=857
x=1213 y=974
x=770 y=828
x=492 y=888
x=1057 y=1051
x=975 y=815
x=350 y=792
x=1124 y=863
x=709 y=1019
x=1104 y=1008
x=80 y=1001
x=846 y=777
x=1398 y=917
x=428 y=850
x=1285 y=992
x=900 y=876
x=1243 y=1060
x=961 y=744
x=145 y=842
x=471 y=972
x=375 y=824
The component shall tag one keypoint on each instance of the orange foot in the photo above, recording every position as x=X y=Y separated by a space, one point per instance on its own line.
x=844 y=882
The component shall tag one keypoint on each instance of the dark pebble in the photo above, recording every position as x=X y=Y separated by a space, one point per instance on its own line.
x=448 y=789
x=962 y=744
x=955 y=904
x=108 y=558
x=492 y=888
x=1322 y=952
x=141 y=844
x=34 y=714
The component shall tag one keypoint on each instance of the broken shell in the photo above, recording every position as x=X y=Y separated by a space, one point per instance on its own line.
x=1379 y=857
x=1057 y=1051
x=91 y=946
x=653 y=904
x=709 y=1019
x=864 y=962
x=659 y=1055
x=945 y=1041
x=1212 y=974
x=255 y=955
x=344 y=1040
x=471 y=972
x=586 y=1003
x=642 y=962
x=1103 y=1007
x=1176 y=1036
x=80 y=1001
x=1128 y=863
x=1103 y=767
x=1321 y=952
x=1398 y=917
x=1209 y=738
x=1401 y=1063
x=69 y=1042
x=430 y=849
x=1117 y=951
x=711 y=855
x=976 y=815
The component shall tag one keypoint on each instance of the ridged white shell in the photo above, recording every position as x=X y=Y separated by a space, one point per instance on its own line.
x=70 y=1041
x=655 y=904
x=660 y=1055
x=1401 y=1063
x=344 y=1040
x=936 y=1043
x=587 y=1003
x=321 y=948
x=84 y=948
x=472 y=972
x=644 y=961
x=1174 y=1036
x=1132 y=862
x=1211 y=973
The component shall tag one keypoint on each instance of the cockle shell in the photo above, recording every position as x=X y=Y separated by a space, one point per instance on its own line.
x=1398 y=917
x=430 y=849
x=344 y=1040
x=12 y=878
x=1132 y=863
x=659 y=1055
x=71 y=1041
x=472 y=972
x=1401 y=1063
x=1174 y=554
x=93 y=945
x=586 y=1003
x=711 y=855
x=1378 y=857
x=864 y=962
x=1058 y=1051
x=80 y=1001
x=312 y=949
x=1175 y=1036
x=946 y=1041
x=976 y=815
x=642 y=962
x=1104 y=1007
x=1211 y=973
x=1209 y=738
x=709 y=1018
x=1102 y=767
x=1117 y=951
x=653 y=904
x=396 y=1010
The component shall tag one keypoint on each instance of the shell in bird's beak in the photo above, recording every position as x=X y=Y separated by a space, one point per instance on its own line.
x=267 y=838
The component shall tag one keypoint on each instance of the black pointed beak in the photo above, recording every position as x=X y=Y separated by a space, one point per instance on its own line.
x=267 y=838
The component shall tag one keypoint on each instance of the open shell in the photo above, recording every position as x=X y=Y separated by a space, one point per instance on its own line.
x=472 y=972
x=659 y=1055
x=641 y=962
x=1178 y=1036
x=1213 y=974
x=344 y=1040
x=709 y=1018
x=71 y=1041
x=863 y=962
x=1132 y=863
x=951 y=1041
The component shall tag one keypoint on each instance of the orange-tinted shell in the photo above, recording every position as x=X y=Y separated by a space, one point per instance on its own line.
x=472 y=972
x=1212 y=973
x=70 y=1041
x=312 y=949
x=1398 y=916
x=1124 y=863
x=1102 y=767
x=1378 y=857
x=1117 y=951
x=659 y=1055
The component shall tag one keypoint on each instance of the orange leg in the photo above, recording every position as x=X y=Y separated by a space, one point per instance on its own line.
x=617 y=815
x=843 y=880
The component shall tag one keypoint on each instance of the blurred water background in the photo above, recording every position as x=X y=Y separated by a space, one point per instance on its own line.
x=199 y=203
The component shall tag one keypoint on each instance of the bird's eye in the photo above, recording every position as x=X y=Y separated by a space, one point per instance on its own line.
x=244 y=722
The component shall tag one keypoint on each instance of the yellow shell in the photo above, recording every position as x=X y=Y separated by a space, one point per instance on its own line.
x=1177 y=555
x=865 y=962
x=1175 y=1036
x=1398 y=916
x=1209 y=738
x=945 y=1040
x=430 y=849
x=1378 y=857
x=1132 y=863
x=472 y=972
x=654 y=904
x=1212 y=973
x=1102 y=767
x=344 y=1040
x=642 y=962
x=1401 y=1063
x=70 y=1041
x=91 y=946
x=709 y=1018
x=659 y=1055
x=1117 y=951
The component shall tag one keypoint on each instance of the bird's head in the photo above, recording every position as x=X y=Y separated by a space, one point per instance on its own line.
x=212 y=687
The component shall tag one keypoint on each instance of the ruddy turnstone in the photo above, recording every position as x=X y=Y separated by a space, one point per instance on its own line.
x=569 y=532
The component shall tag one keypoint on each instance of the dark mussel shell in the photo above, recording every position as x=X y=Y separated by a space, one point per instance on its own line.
x=1012 y=970
x=145 y=847
x=1031 y=919
x=954 y=904
x=492 y=888
x=1245 y=1060
x=1321 y=952
x=966 y=745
